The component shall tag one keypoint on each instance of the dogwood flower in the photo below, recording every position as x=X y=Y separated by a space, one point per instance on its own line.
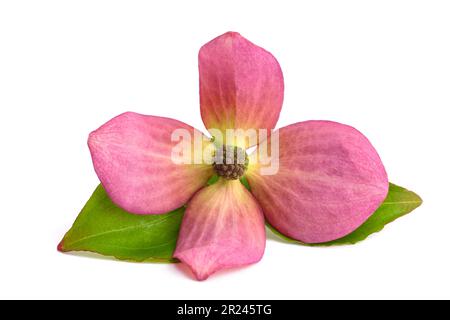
x=330 y=178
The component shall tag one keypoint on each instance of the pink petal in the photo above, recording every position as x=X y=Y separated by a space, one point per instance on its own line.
x=330 y=180
x=132 y=157
x=223 y=227
x=241 y=84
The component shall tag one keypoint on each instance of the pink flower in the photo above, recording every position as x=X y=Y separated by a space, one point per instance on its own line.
x=330 y=178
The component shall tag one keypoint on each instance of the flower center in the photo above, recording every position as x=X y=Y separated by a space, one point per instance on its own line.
x=230 y=162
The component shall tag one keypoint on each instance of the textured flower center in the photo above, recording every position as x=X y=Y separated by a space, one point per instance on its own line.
x=230 y=162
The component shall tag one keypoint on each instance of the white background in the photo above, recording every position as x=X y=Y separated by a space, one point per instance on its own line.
x=66 y=67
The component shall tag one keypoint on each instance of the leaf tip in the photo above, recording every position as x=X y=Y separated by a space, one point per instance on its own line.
x=419 y=199
x=60 y=246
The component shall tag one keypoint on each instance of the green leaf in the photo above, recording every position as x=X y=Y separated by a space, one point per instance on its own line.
x=104 y=228
x=398 y=202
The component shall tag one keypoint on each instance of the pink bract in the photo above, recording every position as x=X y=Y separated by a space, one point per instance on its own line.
x=241 y=84
x=330 y=178
x=223 y=227
x=132 y=158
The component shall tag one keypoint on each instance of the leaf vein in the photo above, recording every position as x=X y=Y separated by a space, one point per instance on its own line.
x=93 y=236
